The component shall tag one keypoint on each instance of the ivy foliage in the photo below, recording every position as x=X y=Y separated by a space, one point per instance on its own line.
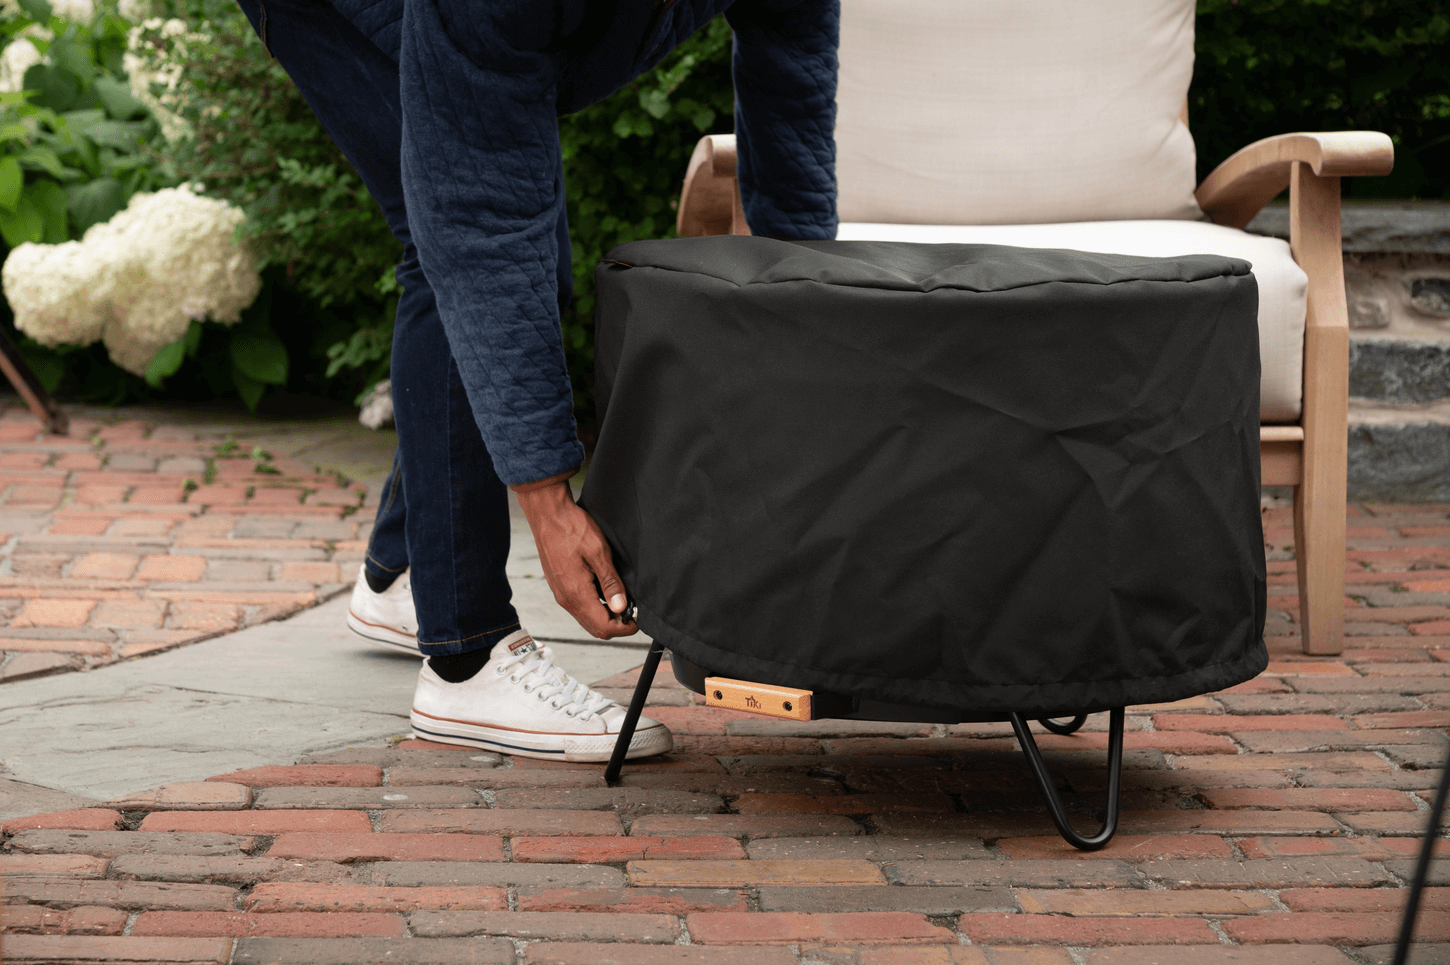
x=1268 y=67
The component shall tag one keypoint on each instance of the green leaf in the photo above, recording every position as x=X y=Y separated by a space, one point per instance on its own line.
x=95 y=202
x=193 y=339
x=121 y=135
x=56 y=89
x=45 y=159
x=48 y=365
x=49 y=199
x=14 y=132
x=25 y=223
x=116 y=96
x=165 y=363
x=39 y=10
x=248 y=388
x=73 y=58
x=255 y=349
x=12 y=179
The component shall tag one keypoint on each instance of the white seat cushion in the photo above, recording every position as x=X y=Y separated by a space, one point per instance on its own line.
x=1282 y=283
x=1014 y=111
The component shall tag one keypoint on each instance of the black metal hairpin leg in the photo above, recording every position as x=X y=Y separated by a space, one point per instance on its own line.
x=1422 y=868
x=1049 y=793
x=636 y=707
x=1064 y=727
x=17 y=371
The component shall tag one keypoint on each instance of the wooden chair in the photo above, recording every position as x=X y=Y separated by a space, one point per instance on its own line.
x=1063 y=124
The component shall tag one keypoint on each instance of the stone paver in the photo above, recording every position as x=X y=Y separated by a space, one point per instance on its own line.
x=127 y=537
x=1275 y=822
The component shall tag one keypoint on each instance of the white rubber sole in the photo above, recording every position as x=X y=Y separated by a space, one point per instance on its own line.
x=581 y=748
x=388 y=637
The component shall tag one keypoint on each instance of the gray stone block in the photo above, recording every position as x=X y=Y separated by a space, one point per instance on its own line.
x=1399 y=463
x=1380 y=226
x=1399 y=370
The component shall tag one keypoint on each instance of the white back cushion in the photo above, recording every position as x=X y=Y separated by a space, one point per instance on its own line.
x=1014 y=111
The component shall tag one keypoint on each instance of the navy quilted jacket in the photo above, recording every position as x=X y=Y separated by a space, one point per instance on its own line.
x=482 y=84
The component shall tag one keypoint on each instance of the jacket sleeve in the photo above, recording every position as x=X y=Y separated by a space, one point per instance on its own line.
x=785 y=115
x=483 y=180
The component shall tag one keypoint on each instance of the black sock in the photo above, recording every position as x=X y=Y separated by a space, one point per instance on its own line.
x=458 y=667
x=377 y=583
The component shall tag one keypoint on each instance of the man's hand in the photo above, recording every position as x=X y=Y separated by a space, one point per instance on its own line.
x=575 y=554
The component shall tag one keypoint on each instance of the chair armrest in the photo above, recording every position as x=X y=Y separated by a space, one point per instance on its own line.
x=1251 y=178
x=710 y=200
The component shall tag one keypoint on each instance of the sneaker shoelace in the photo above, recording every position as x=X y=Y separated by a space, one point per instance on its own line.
x=553 y=684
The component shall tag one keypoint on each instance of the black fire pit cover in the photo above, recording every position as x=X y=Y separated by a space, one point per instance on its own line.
x=967 y=476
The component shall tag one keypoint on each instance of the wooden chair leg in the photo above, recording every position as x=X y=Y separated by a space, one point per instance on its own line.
x=17 y=371
x=1319 y=499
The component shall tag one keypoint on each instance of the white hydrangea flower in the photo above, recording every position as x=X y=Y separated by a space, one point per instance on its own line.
x=134 y=10
x=137 y=281
x=11 y=10
x=81 y=11
x=19 y=56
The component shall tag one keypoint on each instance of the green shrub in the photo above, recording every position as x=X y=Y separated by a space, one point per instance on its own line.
x=1273 y=66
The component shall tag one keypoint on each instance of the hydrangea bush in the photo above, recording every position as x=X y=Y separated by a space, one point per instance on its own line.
x=137 y=282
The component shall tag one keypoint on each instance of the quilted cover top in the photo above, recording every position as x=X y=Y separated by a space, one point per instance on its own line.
x=977 y=477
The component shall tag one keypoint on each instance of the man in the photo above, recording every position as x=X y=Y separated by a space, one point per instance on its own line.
x=447 y=110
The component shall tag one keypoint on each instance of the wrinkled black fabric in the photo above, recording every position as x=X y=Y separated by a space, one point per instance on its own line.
x=969 y=476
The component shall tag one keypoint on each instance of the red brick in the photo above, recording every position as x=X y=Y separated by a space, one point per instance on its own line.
x=281 y=925
x=1123 y=847
x=158 y=495
x=218 y=495
x=1060 y=930
x=1413 y=718
x=311 y=896
x=586 y=953
x=555 y=925
x=840 y=803
x=1229 y=822
x=1431 y=628
x=509 y=822
x=141 y=895
x=80 y=819
x=276 y=496
x=615 y=849
x=491 y=777
x=1210 y=955
x=54 y=613
x=1333 y=928
x=35 y=496
x=207 y=617
x=256 y=822
x=1361 y=900
x=104 y=566
x=75 y=949
x=307 y=775
x=187 y=796
x=78 y=460
x=753 y=873
x=698 y=720
x=1308 y=799
x=753 y=825
x=1120 y=902
x=313 y=846
x=81 y=526
x=129 y=614
x=1386 y=822
x=89 y=648
x=62 y=865
x=1235 y=723
x=1288 y=847
x=40 y=920
x=307 y=572
x=172 y=568
x=789 y=928
x=661 y=901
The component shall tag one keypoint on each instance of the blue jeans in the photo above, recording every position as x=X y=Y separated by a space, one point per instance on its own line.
x=443 y=510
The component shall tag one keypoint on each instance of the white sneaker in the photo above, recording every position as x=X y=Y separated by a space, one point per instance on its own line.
x=385 y=618
x=521 y=703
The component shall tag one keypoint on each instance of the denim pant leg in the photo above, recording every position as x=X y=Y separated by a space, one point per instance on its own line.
x=387 y=555
x=455 y=519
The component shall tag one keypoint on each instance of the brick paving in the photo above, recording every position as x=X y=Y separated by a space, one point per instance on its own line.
x=1274 y=823
x=129 y=537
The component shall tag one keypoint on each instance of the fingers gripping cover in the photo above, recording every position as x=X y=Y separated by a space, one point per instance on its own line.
x=968 y=476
